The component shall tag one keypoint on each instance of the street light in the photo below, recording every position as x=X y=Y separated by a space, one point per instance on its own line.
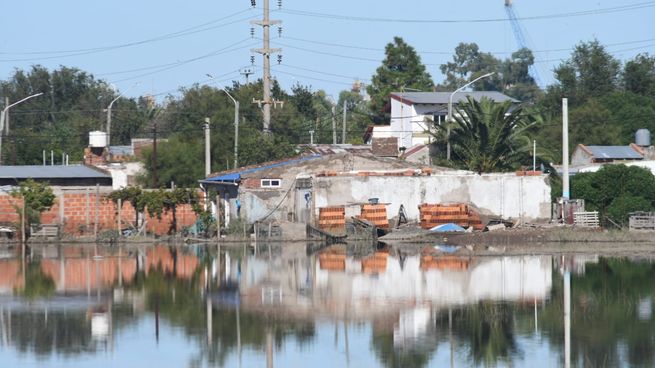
x=109 y=112
x=450 y=110
x=4 y=113
x=236 y=123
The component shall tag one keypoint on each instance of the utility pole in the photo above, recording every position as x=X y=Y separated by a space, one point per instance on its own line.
x=154 y=154
x=7 y=117
x=246 y=72
x=266 y=52
x=565 y=149
x=208 y=164
x=343 y=126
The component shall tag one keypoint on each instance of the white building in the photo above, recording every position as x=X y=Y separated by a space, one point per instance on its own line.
x=413 y=113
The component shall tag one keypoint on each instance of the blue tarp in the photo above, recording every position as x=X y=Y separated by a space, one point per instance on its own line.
x=449 y=227
x=232 y=177
x=446 y=248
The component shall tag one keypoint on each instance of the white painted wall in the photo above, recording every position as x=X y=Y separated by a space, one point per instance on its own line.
x=506 y=195
x=408 y=123
x=120 y=172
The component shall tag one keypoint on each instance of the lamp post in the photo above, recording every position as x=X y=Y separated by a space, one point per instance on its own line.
x=109 y=112
x=450 y=110
x=236 y=123
x=3 y=113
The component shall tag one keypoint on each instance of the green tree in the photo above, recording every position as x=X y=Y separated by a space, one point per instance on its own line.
x=487 y=136
x=590 y=72
x=72 y=104
x=469 y=63
x=401 y=68
x=639 y=75
x=37 y=198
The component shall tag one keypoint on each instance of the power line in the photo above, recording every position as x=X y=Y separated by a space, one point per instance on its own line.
x=351 y=18
x=223 y=50
x=78 y=52
x=452 y=52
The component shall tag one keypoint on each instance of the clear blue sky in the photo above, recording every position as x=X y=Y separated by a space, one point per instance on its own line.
x=164 y=45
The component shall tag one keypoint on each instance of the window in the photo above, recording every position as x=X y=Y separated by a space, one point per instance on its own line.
x=271 y=183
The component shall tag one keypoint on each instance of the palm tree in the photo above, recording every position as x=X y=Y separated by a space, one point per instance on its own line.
x=487 y=136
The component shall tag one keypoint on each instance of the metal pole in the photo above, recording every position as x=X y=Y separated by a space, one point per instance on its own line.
x=334 y=124
x=236 y=134
x=52 y=158
x=534 y=155
x=3 y=115
x=208 y=164
x=565 y=149
x=311 y=137
x=567 y=319
x=343 y=126
x=109 y=121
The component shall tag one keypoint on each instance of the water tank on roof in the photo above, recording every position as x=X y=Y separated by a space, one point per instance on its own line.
x=642 y=138
x=97 y=139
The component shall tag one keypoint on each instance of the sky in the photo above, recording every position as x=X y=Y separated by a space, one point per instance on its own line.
x=157 y=47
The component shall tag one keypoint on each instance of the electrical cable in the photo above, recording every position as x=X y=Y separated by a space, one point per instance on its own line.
x=351 y=18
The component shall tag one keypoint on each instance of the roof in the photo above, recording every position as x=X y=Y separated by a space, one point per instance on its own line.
x=613 y=152
x=438 y=98
x=121 y=150
x=50 y=172
x=235 y=175
x=328 y=149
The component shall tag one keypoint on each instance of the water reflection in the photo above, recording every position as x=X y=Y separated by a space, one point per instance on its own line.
x=194 y=305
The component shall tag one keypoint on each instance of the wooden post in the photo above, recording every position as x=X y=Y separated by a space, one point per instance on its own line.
x=22 y=230
x=95 y=225
x=120 y=206
x=218 y=216
x=87 y=212
x=256 y=228
x=61 y=210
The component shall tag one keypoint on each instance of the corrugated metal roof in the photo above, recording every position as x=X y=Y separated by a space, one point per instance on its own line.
x=236 y=175
x=614 y=152
x=121 y=150
x=437 y=98
x=328 y=149
x=50 y=172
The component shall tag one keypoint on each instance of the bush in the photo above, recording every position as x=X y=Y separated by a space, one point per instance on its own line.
x=616 y=190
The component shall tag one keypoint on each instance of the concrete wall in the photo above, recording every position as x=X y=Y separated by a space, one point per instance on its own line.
x=258 y=202
x=506 y=195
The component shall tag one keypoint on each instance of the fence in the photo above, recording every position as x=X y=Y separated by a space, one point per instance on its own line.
x=642 y=221
x=586 y=219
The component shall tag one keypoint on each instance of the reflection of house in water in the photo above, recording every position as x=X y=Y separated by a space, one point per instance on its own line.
x=76 y=269
x=10 y=275
x=350 y=285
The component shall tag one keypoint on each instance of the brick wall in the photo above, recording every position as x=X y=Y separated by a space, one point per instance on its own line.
x=79 y=214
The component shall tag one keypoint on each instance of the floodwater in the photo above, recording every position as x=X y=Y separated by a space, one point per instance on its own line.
x=186 y=306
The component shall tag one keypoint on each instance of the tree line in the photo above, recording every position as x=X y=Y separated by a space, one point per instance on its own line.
x=608 y=102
